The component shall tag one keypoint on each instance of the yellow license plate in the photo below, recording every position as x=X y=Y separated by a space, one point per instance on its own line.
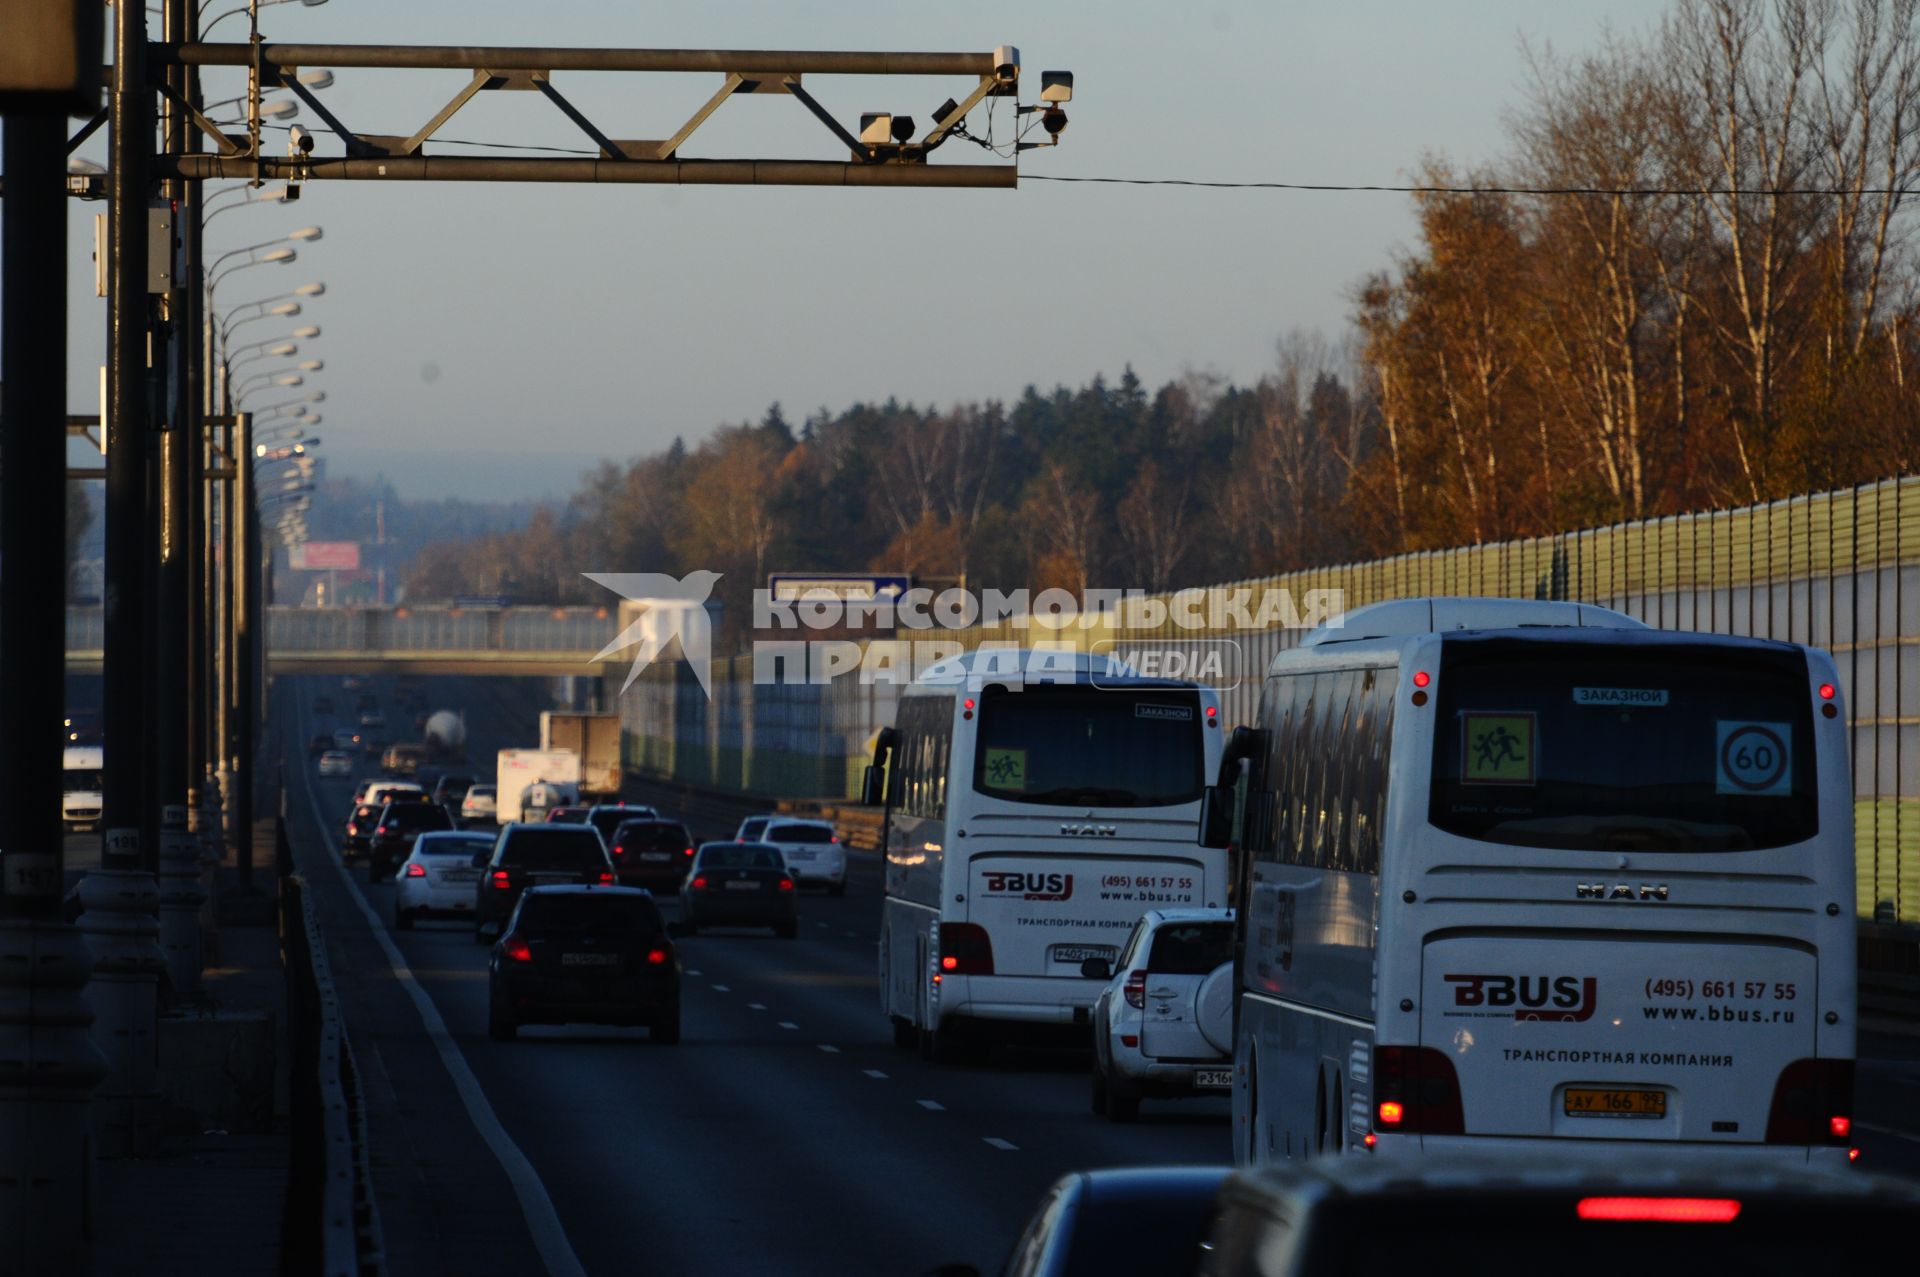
x=1597 y=1102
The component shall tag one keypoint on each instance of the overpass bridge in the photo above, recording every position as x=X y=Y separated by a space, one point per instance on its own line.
x=437 y=639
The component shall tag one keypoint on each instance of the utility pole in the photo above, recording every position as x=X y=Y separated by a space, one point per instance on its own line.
x=380 y=552
x=243 y=539
x=120 y=897
x=179 y=859
x=48 y=1064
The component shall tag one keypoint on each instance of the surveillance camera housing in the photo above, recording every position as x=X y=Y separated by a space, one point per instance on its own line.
x=299 y=141
x=1056 y=86
x=903 y=127
x=1054 y=121
x=876 y=128
x=1006 y=64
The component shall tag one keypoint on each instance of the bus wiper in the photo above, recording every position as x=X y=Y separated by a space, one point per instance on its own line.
x=1089 y=794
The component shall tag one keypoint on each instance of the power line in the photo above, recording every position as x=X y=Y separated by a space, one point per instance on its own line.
x=1423 y=189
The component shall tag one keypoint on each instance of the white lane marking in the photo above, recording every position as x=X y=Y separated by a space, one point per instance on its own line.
x=1877 y=1129
x=691 y=971
x=788 y=1024
x=875 y=1073
x=932 y=1106
x=1003 y=1145
x=829 y=1049
x=823 y=926
x=851 y=935
x=721 y=988
x=543 y=1222
x=756 y=1006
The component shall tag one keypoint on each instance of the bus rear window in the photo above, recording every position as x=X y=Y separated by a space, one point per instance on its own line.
x=1075 y=746
x=1583 y=746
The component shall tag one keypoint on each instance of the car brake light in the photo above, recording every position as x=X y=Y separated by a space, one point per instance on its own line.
x=1135 y=990
x=619 y=850
x=517 y=949
x=687 y=852
x=416 y=871
x=1415 y=1089
x=786 y=883
x=656 y=957
x=1812 y=1103
x=699 y=882
x=380 y=830
x=502 y=879
x=833 y=837
x=606 y=877
x=970 y=948
x=1663 y=1210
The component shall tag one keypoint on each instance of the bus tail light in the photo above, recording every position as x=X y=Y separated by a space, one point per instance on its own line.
x=965 y=949
x=1812 y=1103
x=1135 y=990
x=1416 y=1091
x=1660 y=1210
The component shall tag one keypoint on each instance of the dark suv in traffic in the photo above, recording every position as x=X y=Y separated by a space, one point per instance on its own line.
x=539 y=855
x=399 y=824
x=593 y=955
x=652 y=853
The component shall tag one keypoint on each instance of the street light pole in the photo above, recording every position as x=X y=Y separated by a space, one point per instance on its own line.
x=243 y=573
x=178 y=860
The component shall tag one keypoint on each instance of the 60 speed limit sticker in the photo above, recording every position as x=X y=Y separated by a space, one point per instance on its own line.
x=1755 y=759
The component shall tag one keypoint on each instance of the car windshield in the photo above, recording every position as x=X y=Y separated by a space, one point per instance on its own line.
x=649 y=835
x=1090 y=746
x=415 y=816
x=1139 y=1234
x=575 y=912
x=82 y=780
x=729 y=855
x=799 y=834
x=461 y=845
x=1190 y=948
x=1492 y=1233
x=555 y=847
x=1589 y=746
x=751 y=829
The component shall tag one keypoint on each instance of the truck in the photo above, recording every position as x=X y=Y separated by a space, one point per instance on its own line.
x=595 y=738
x=516 y=769
x=446 y=733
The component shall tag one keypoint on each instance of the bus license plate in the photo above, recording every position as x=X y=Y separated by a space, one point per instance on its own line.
x=1213 y=1079
x=1595 y=1102
x=1078 y=953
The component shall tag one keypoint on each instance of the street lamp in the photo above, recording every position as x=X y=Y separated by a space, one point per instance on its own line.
x=277 y=257
x=260 y=4
x=250 y=196
x=254 y=383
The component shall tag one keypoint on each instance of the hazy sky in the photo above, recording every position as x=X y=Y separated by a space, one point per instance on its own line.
x=493 y=340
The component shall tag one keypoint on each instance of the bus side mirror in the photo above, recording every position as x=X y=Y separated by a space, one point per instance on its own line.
x=1216 y=816
x=873 y=787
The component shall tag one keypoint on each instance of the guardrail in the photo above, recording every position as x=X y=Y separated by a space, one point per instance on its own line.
x=333 y=1221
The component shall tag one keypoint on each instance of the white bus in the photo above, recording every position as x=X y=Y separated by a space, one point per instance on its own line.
x=1037 y=805
x=1518 y=870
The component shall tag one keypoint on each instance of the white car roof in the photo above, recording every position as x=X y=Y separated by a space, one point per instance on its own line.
x=1155 y=917
x=801 y=820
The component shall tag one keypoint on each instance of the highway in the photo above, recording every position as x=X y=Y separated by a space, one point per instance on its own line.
x=785 y=1134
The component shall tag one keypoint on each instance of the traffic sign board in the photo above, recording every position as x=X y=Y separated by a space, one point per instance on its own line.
x=789 y=587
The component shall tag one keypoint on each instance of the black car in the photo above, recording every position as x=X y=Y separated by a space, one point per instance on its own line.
x=449 y=789
x=537 y=856
x=739 y=884
x=393 y=834
x=608 y=817
x=1136 y=1219
x=584 y=955
x=652 y=853
x=366 y=815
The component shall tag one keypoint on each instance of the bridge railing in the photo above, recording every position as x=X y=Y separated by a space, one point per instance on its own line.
x=439 y=629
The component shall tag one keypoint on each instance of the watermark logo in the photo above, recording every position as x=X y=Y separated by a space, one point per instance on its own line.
x=673 y=608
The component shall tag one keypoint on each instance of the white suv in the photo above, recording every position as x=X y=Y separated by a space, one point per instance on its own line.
x=812 y=851
x=1163 y=1027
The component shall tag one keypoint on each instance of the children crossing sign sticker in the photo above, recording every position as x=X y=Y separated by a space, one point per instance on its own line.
x=1497 y=748
x=1006 y=768
x=1754 y=759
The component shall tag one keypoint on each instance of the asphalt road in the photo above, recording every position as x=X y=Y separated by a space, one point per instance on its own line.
x=785 y=1134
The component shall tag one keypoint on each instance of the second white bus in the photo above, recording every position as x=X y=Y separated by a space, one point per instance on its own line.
x=1037 y=806
x=1520 y=870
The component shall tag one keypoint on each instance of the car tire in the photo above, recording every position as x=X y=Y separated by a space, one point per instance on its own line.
x=905 y=1036
x=403 y=919
x=501 y=1026
x=666 y=1030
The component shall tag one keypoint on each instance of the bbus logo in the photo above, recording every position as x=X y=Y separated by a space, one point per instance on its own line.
x=1566 y=999
x=1030 y=886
